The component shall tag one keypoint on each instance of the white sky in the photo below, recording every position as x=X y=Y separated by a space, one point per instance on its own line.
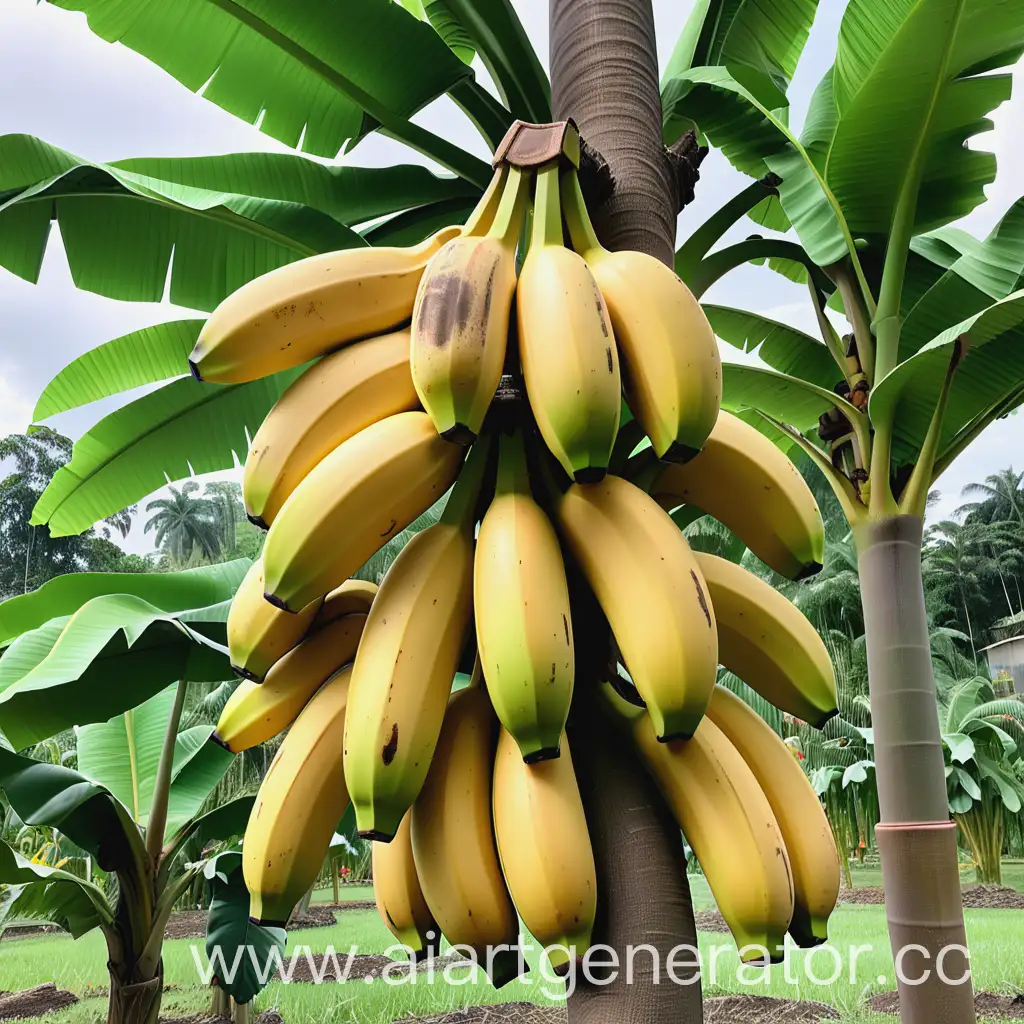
x=101 y=101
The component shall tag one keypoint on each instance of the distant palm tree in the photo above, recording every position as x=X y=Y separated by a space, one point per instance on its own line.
x=185 y=524
x=952 y=562
x=225 y=498
x=1001 y=492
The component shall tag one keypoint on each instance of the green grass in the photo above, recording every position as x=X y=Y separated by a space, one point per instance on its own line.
x=996 y=938
x=346 y=894
x=1013 y=875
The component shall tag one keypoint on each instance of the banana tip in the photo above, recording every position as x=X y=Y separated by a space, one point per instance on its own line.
x=826 y=718
x=194 y=370
x=460 y=434
x=807 y=940
x=680 y=453
x=266 y=922
x=376 y=836
x=668 y=737
x=215 y=738
x=808 y=570
x=277 y=602
x=244 y=673
x=258 y=522
x=590 y=474
x=544 y=754
x=507 y=965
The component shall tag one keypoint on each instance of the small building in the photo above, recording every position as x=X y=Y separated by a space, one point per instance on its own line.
x=1006 y=665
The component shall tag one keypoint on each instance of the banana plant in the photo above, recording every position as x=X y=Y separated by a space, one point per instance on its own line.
x=983 y=744
x=134 y=806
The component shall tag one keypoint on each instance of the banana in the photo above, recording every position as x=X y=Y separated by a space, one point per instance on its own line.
x=366 y=490
x=750 y=486
x=400 y=901
x=545 y=850
x=256 y=712
x=768 y=642
x=728 y=823
x=407 y=660
x=523 y=622
x=805 y=829
x=650 y=587
x=258 y=633
x=353 y=597
x=671 y=368
x=453 y=839
x=307 y=308
x=299 y=805
x=340 y=395
x=460 y=320
x=566 y=345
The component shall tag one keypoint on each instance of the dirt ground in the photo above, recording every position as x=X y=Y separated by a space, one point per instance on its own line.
x=34 y=1001
x=720 y=1010
x=191 y=924
x=710 y=921
x=986 y=1004
x=975 y=897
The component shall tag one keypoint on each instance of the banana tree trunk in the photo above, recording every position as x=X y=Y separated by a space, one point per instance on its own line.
x=915 y=836
x=604 y=75
x=136 y=1002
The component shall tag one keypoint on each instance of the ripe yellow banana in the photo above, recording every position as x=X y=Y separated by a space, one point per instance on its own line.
x=400 y=901
x=453 y=839
x=407 y=660
x=805 y=829
x=365 y=491
x=256 y=712
x=523 y=622
x=566 y=345
x=728 y=822
x=750 y=486
x=299 y=805
x=650 y=587
x=340 y=395
x=671 y=368
x=353 y=597
x=545 y=850
x=768 y=642
x=307 y=308
x=258 y=633
x=460 y=320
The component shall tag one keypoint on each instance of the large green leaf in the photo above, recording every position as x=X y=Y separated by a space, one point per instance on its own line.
x=120 y=230
x=787 y=399
x=982 y=273
x=505 y=49
x=766 y=36
x=231 y=936
x=113 y=653
x=48 y=895
x=49 y=794
x=168 y=591
x=412 y=226
x=181 y=428
x=782 y=347
x=351 y=195
x=755 y=138
x=910 y=93
x=311 y=73
x=142 y=357
x=992 y=365
x=123 y=755
x=225 y=822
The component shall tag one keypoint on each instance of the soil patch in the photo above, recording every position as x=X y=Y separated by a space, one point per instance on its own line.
x=975 y=897
x=191 y=924
x=266 y=1017
x=352 y=905
x=721 y=1010
x=28 y=932
x=710 y=921
x=35 y=1001
x=359 y=967
x=986 y=1004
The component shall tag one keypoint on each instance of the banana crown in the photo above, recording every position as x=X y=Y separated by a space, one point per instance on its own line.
x=367 y=440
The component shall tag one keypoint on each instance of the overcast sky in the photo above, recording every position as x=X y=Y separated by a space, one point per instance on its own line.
x=104 y=102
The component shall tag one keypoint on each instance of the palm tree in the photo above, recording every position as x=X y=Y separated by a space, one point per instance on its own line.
x=951 y=562
x=185 y=524
x=225 y=498
x=1001 y=492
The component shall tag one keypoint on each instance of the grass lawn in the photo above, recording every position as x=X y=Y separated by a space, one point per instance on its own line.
x=346 y=894
x=996 y=936
x=1013 y=875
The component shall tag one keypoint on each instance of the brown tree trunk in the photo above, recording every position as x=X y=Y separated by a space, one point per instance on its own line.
x=137 y=1003
x=604 y=76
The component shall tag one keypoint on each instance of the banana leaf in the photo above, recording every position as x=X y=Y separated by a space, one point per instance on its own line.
x=168 y=591
x=116 y=651
x=182 y=428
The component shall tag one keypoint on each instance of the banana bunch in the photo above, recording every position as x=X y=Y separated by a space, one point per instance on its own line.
x=470 y=797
